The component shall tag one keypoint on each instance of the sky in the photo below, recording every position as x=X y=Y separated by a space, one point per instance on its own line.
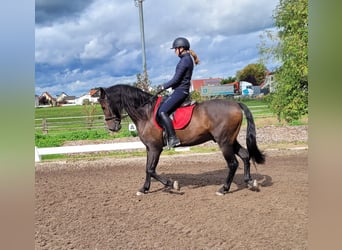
x=83 y=44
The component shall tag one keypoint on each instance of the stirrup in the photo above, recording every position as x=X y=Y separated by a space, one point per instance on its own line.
x=174 y=142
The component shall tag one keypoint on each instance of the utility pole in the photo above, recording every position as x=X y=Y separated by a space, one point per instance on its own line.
x=141 y=17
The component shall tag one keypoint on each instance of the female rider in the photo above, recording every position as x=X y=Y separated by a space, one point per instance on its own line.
x=180 y=83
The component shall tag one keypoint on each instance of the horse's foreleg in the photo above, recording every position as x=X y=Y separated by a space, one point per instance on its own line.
x=151 y=165
x=166 y=182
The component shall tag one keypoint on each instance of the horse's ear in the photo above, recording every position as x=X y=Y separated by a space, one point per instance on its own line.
x=102 y=93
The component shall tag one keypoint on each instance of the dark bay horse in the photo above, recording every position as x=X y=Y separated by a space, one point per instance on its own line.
x=218 y=120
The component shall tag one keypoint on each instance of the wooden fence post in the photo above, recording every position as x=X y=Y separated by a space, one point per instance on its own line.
x=44 y=127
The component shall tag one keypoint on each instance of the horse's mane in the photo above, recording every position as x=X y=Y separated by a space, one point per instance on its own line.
x=131 y=99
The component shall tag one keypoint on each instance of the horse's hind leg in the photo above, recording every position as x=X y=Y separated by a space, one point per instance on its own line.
x=244 y=155
x=229 y=155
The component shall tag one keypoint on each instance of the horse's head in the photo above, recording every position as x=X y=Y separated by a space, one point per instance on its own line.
x=111 y=112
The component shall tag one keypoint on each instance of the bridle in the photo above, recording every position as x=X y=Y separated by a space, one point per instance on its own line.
x=111 y=117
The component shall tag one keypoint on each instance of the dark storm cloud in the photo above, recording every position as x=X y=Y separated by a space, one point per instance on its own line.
x=48 y=11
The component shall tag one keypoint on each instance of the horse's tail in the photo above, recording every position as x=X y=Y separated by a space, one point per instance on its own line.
x=252 y=147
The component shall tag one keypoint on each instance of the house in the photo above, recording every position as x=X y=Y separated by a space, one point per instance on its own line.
x=269 y=84
x=90 y=97
x=198 y=83
x=63 y=98
x=47 y=99
x=70 y=99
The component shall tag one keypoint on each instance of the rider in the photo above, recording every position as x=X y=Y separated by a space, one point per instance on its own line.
x=180 y=83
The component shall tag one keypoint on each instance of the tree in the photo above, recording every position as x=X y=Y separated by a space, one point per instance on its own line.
x=290 y=100
x=253 y=73
x=143 y=82
x=196 y=96
x=230 y=79
x=90 y=110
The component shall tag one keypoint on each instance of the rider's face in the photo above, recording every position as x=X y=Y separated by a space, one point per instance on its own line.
x=178 y=51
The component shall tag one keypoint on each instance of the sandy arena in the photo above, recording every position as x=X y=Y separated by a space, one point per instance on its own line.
x=93 y=204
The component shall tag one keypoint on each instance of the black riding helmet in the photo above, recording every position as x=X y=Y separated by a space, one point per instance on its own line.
x=181 y=42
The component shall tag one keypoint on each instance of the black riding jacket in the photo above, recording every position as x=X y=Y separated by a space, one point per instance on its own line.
x=181 y=79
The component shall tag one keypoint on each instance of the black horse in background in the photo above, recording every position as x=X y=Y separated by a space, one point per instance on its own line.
x=218 y=120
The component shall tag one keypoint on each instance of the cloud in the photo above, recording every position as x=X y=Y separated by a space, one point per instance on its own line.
x=96 y=49
x=49 y=11
x=80 y=44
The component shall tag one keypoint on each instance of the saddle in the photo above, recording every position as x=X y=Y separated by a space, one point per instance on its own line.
x=180 y=118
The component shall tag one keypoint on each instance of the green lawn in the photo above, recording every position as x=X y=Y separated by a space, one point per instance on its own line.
x=64 y=111
x=67 y=123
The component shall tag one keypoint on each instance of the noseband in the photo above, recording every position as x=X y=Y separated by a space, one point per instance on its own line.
x=112 y=118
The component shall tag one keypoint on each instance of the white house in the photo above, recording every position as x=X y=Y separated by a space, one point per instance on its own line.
x=269 y=83
x=91 y=96
x=65 y=99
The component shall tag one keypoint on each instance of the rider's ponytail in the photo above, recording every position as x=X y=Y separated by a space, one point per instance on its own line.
x=194 y=56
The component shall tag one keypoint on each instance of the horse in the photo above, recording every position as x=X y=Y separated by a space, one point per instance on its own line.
x=218 y=120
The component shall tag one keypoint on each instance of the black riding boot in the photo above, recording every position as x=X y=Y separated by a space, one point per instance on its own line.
x=167 y=124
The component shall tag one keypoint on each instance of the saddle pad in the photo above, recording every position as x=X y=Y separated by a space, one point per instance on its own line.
x=181 y=116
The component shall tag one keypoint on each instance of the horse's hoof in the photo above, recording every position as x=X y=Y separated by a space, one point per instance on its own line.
x=221 y=191
x=176 y=185
x=140 y=193
x=253 y=185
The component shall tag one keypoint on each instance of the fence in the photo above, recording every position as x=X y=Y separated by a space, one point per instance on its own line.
x=77 y=123
x=61 y=124
x=56 y=124
x=86 y=148
x=260 y=111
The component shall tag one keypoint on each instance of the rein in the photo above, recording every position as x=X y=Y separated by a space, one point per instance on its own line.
x=152 y=97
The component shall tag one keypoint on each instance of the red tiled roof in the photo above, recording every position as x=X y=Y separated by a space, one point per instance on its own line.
x=93 y=92
x=198 y=83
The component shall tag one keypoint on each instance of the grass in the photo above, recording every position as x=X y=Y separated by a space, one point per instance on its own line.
x=273 y=121
x=65 y=111
x=73 y=131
